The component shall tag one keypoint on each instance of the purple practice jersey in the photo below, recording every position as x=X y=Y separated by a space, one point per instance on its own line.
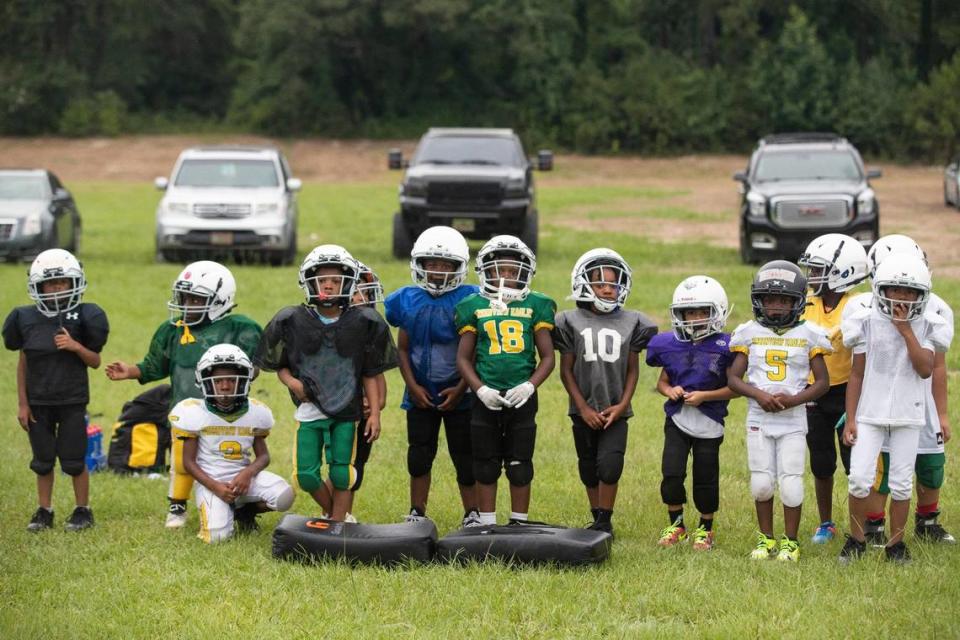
x=695 y=366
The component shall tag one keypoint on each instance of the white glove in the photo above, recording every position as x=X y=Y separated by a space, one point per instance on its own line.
x=518 y=396
x=491 y=398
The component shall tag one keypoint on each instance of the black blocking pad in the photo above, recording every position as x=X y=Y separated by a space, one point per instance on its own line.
x=526 y=544
x=303 y=538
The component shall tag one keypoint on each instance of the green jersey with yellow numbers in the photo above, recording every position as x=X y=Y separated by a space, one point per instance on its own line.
x=506 y=353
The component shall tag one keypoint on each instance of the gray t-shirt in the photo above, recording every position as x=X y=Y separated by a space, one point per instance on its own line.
x=601 y=343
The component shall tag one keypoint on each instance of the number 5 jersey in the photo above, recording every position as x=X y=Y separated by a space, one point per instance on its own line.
x=601 y=343
x=779 y=363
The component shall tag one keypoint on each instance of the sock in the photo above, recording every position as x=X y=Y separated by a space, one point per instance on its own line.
x=706 y=524
x=488 y=517
x=469 y=511
x=604 y=515
x=676 y=517
x=47 y=509
x=593 y=512
x=417 y=511
x=522 y=517
x=876 y=517
x=927 y=510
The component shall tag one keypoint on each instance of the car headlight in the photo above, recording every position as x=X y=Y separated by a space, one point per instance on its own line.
x=516 y=188
x=756 y=205
x=415 y=188
x=268 y=207
x=178 y=207
x=866 y=201
x=32 y=225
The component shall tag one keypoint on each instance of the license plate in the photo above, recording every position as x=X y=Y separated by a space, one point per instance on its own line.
x=464 y=224
x=221 y=237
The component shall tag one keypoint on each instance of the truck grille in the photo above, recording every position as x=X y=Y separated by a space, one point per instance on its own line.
x=811 y=212
x=464 y=193
x=6 y=230
x=221 y=210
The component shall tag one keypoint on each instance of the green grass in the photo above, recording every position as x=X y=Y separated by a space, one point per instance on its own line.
x=129 y=577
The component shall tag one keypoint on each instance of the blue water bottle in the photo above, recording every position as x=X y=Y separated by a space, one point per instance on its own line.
x=96 y=459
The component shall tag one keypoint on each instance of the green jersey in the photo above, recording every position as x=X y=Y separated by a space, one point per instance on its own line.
x=168 y=357
x=506 y=352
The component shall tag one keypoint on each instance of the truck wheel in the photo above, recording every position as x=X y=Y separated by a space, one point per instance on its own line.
x=402 y=244
x=746 y=253
x=531 y=229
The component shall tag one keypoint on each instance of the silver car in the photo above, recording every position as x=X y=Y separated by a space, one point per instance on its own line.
x=36 y=213
x=226 y=202
x=951 y=183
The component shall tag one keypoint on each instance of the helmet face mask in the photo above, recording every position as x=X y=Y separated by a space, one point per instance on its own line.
x=834 y=262
x=901 y=282
x=223 y=374
x=328 y=277
x=601 y=278
x=505 y=268
x=56 y=282
x=698 y=292
x=434 y=245
x=203 y=291
x=369 y=289
x=783 y=280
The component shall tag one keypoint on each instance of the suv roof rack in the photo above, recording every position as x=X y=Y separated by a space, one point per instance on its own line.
x=801 y=137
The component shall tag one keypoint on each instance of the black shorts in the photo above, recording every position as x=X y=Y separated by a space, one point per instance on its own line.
x=596 y=447
x=60 y=431
x=822 y=418
x=505 y=435
x=423 y=437
x=363 y=453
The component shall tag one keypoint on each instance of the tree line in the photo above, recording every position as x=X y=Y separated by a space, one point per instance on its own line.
x=599 y=76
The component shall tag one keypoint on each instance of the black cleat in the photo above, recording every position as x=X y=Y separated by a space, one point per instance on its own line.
x=852 y=550
x=898 y=553
x=929 y=530
x=606 y=527
x=42 y=519
x=245 y=518
x=80 y=519
x=874 y=533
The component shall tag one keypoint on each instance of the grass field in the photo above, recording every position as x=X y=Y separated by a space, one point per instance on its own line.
x=129 y=577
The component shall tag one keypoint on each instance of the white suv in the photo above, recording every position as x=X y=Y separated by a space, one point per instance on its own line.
x=228 y=202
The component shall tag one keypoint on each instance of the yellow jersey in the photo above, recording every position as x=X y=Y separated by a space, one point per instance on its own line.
x=840 y=361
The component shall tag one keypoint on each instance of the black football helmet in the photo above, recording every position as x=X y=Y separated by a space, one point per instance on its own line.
x=779 y=277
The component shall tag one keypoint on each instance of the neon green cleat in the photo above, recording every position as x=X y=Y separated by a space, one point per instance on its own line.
x=702 y=539
x=766 y=547
x=672 y=535
x=789 y=550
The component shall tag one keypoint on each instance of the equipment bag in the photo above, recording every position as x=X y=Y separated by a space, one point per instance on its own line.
x=141 y=436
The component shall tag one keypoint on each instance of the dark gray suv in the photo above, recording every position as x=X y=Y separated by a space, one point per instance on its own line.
x=478 y=181
x=802 y=185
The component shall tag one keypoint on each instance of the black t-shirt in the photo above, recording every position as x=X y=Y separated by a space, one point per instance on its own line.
x=329 y=359
x=56 y=377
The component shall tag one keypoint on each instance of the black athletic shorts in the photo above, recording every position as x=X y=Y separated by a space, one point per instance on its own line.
x=505 y=435
x=60 y=431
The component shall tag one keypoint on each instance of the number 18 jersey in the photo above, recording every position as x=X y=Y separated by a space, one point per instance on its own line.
x=779 y=363
x=506 y=352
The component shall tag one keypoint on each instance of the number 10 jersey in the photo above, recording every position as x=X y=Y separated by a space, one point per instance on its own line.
x=601 y=344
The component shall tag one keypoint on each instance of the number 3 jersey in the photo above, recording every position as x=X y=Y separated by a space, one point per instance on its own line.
x=225 y=443
x=506 y=354
x=601 y=344
x=779 y=363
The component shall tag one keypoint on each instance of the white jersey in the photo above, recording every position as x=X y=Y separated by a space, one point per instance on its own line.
x=224 y=446
x=779 y=363
x=892 y=394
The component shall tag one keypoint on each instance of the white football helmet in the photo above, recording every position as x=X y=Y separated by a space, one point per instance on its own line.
x=368 y=286
x=225 y=356
x=56 y=264
x=699 y=292
x=439 y=243
x=502 y=253
x=329 y=255
x=891 y=244
x=901 y=270
x=588 y=271
x=210 y=280
x=835 y=260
